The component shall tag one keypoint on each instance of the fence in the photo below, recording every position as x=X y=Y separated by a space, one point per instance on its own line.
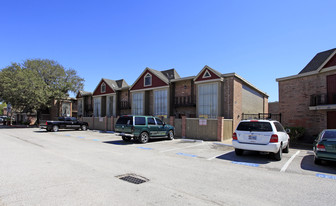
x=194 y=128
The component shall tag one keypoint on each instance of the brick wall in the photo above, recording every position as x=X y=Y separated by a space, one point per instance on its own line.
x=274 y=107
x=237 y=102
x=294 y=101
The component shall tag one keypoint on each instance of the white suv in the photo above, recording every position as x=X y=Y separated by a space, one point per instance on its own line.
x=261 y=135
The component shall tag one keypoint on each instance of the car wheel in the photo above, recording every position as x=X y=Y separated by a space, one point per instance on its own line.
x=317 y=160
x=144 y=137
x=286 y=150
x=55 y=128
x=48 y=130
x=170 y=135
x=126 y=139
x=278 y=155
x=84 y=127
x=239 y=152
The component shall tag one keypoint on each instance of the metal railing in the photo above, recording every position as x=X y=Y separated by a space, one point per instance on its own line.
x=124 y=105
x=184 y=101
x=322 y=99
x=265 y=116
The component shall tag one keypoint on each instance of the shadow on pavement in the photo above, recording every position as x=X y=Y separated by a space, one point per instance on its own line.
x=248 y=157
x=307 y=163
x=120 y=142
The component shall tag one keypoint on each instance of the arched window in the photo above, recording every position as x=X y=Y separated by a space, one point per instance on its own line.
x=103 y=88
x=148 y=80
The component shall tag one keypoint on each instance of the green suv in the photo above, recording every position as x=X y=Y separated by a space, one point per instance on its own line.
x=143 y=128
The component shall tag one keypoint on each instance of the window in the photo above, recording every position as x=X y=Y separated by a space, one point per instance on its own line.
x=137 y=103
x=151 y=121
x=140 y=121
x=125 y=120
x=160 y=102
x=158 y=121
x=279 y=127
x=255 y=126
x=110 y=107
x=80 y=107
x=206 y=74
x=208 y=100
x=148 y=80
x=103 y=87
x=97 y=106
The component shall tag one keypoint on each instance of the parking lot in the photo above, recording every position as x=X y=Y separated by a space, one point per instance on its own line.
x=185 y=171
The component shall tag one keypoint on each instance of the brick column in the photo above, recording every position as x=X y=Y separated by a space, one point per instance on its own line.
x=171 y=120
x=220 y=128
x=184 y=121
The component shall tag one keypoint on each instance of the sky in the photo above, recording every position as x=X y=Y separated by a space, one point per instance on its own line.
x=260 y=40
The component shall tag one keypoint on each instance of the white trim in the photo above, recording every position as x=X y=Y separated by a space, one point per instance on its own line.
x=151 y=80
x=147 y=69
x=323 y=107
x=306 y=74
x=208 y=81
x=103 y=95
x=152 y=88
x=326 y=61
x=102 y=80
x=206 y=72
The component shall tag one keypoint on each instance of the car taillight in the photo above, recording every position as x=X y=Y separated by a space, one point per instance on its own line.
x=46 y=123
x=274 y=138
x=320 y=147
x=234 y=136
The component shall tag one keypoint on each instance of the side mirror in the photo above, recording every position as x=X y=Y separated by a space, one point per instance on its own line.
x=288 y=130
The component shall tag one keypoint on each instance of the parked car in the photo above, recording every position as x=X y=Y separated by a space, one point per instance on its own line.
x=1 y=120
x=64 y=123
x=325 y=146
x=261 y=135
x=143 y=128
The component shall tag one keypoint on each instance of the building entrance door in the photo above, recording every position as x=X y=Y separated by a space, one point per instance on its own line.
x=331 y=120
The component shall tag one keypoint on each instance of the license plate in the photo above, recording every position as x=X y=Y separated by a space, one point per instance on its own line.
x=252 y=137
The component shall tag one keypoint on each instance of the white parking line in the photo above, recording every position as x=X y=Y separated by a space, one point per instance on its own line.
x=283 y=169
x=183 y=147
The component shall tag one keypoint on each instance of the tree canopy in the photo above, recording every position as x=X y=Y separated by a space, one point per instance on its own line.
x=34 y=83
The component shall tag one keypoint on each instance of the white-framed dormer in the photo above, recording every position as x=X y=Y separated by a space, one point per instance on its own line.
x=103 y=88
x=148 y=80
x=206 y=74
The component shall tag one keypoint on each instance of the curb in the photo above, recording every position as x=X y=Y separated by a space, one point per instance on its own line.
x=192 y=140
x=223 y=144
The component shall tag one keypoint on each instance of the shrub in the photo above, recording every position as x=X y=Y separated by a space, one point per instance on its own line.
x=296 y=133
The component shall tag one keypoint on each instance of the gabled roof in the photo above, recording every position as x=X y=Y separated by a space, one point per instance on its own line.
x=83 y=93
x=318 y=61
x=206 y=67
x=165 y=75
x=122 y=84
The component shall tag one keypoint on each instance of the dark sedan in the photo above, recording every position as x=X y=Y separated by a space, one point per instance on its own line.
x=325 y=146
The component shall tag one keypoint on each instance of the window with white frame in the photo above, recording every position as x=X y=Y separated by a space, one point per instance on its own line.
x=137 y=103
x=208 y=100
x=206 y=74
x=110 y=106
x=148 y=80
x=103 y=87
x=97 y=106
x=80 y=107
x=160 y=102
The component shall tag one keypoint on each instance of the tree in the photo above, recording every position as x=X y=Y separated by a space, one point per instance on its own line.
x=34 y=84
x=2 y=105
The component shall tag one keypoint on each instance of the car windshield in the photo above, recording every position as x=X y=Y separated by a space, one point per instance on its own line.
x=125 y=120
x=329 y=135
x=255 y=126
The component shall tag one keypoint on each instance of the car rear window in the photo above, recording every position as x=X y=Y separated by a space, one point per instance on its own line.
x=140 y=121
x=125 y=120
x=255 y=126
x=329 y=135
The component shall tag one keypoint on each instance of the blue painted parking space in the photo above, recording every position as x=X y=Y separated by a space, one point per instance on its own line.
x=246 y=164
x=332 y=177
x=145 y=148
x=184 y=154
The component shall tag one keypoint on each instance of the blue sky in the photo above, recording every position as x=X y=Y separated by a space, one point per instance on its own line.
x=258 y=40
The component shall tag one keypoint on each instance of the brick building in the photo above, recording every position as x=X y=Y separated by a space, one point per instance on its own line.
x=308 y=99
x=209 y=94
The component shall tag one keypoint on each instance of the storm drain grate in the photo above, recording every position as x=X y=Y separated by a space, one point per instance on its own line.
x=133 y=178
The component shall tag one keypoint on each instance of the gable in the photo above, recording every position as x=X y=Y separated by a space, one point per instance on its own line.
x=331 y=62
x=207 y=74
x=156 y=81
x=79 y=95
x=97 y=91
